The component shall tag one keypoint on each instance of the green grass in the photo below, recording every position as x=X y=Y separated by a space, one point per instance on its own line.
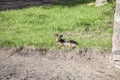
x=37 y=25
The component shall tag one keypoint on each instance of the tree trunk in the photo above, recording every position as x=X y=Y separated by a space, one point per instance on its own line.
x=100 y=2
x=116 y=33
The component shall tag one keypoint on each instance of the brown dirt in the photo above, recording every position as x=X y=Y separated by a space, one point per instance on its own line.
x=31 y=63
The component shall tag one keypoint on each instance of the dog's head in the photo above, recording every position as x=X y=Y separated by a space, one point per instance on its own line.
x=58 y=37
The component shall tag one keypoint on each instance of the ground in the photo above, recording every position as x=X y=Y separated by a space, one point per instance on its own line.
x=33 y=63
x=28 y=27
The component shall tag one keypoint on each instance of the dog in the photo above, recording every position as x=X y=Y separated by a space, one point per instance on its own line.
x=66 y=43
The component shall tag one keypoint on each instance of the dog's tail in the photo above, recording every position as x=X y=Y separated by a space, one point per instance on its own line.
x=74 y=42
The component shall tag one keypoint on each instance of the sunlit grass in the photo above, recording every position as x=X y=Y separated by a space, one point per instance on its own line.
x=37 y=25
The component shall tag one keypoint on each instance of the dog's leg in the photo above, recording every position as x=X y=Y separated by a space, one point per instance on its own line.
x=59 y=46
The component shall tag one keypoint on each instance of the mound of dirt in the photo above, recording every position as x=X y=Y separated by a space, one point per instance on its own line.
x=31 y=63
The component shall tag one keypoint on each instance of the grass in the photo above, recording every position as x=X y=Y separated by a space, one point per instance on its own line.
x=37 y=25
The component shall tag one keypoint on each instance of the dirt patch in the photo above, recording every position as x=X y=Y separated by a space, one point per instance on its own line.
x=7 y=52
x=31 y=63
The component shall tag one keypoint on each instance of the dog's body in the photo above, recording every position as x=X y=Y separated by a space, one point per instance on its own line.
x=66 y=43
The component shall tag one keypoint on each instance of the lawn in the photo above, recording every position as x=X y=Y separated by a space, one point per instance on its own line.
x=36 y=26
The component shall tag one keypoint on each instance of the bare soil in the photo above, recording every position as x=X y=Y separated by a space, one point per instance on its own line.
x=32 y=63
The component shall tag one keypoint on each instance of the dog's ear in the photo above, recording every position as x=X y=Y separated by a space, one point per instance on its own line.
x=61 y=35
x=56 y=34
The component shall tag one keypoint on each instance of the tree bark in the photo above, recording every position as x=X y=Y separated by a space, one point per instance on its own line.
x=100 y=2
x=116 y=33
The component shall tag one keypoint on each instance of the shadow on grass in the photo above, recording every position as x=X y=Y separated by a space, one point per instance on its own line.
x=7 y=43
x=20 y=4
x=71 y=3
